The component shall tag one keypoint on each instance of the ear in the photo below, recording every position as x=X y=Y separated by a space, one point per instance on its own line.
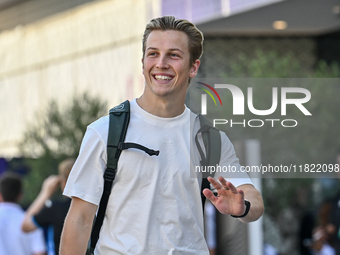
x=194 y=68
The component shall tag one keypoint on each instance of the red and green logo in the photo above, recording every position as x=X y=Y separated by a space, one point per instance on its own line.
x=209 y=93
x=204 y=97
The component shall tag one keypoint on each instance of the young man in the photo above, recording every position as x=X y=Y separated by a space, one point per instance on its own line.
x=155 y=206
x=51 y=214
x=13 y=240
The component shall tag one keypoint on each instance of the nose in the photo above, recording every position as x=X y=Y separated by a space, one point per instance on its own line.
x=162 y=62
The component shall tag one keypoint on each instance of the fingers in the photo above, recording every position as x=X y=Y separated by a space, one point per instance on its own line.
x=229 y=200
x=209 y=195
x=215 y=183
x=223 y=184
x=227 y=185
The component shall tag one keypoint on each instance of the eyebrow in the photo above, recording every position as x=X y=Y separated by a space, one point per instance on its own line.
x=173 y=49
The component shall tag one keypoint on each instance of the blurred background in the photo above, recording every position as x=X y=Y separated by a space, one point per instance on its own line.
x=64 y=63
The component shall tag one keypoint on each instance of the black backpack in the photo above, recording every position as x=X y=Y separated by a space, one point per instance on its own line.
x=119 y=122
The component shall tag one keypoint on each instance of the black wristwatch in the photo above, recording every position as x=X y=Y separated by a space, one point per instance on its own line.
x=247 y=203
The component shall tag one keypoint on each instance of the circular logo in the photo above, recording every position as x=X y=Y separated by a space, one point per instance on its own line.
x=119 y=107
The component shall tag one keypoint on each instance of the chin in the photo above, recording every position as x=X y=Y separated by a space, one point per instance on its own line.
x=161 y=93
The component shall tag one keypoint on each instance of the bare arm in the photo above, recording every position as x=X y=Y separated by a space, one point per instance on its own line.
x=230 y=200
x=77 y=227
x=49 y=186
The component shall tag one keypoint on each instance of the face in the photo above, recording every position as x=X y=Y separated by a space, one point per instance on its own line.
x=166 y=64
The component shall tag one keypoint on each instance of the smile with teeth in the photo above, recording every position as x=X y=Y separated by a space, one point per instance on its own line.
x=163 y=77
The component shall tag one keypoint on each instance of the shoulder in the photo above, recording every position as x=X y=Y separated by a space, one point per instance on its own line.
x=100 y=125
x=224 y=137
x=97 y=130
x=194 y=122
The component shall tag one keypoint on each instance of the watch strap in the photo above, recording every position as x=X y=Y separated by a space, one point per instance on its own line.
x=247 y=203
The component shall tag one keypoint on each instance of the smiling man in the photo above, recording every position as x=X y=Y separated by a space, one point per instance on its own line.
x=155 y=206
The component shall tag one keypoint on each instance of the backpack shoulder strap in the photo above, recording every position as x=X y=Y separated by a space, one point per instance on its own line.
x=119 y=121
x=118 y=125
x=212 y=144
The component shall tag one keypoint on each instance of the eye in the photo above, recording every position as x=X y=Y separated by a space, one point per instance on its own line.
x=174 y=55
x=152 y=54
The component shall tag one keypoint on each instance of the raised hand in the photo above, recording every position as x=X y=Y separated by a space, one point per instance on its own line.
x=229 y=200
x=50 y=185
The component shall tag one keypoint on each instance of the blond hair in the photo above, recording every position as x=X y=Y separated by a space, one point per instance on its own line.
x=65 y=167
x=195 y=36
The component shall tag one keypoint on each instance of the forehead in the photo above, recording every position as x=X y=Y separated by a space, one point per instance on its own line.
x=169 y=39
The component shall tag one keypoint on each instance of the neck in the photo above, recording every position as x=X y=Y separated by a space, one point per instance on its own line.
x=161 y=108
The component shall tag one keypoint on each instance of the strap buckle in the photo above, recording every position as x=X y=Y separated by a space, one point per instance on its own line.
x=110 y=174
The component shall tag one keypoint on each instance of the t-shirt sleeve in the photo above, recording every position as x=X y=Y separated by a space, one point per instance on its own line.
x=230 y=166
x=86 y=178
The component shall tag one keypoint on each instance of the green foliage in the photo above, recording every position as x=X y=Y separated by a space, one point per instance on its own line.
x=266 y=65
x=55 y=135
x=272 y=65
x=327 y=71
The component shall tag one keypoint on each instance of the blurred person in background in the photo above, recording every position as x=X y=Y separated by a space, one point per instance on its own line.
x=322 y=234
x=335 y=212
x=13 y=241
x=51 y=214
x=325 y=238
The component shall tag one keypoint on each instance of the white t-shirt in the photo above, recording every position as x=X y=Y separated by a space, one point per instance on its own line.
x=13 y=240
x=155 y=206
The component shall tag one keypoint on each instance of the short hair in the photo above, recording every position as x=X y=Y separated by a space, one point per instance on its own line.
x=10 y=187
x=65 y=167
x=195 y=36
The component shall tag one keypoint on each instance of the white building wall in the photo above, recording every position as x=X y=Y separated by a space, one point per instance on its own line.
x=95 y=48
